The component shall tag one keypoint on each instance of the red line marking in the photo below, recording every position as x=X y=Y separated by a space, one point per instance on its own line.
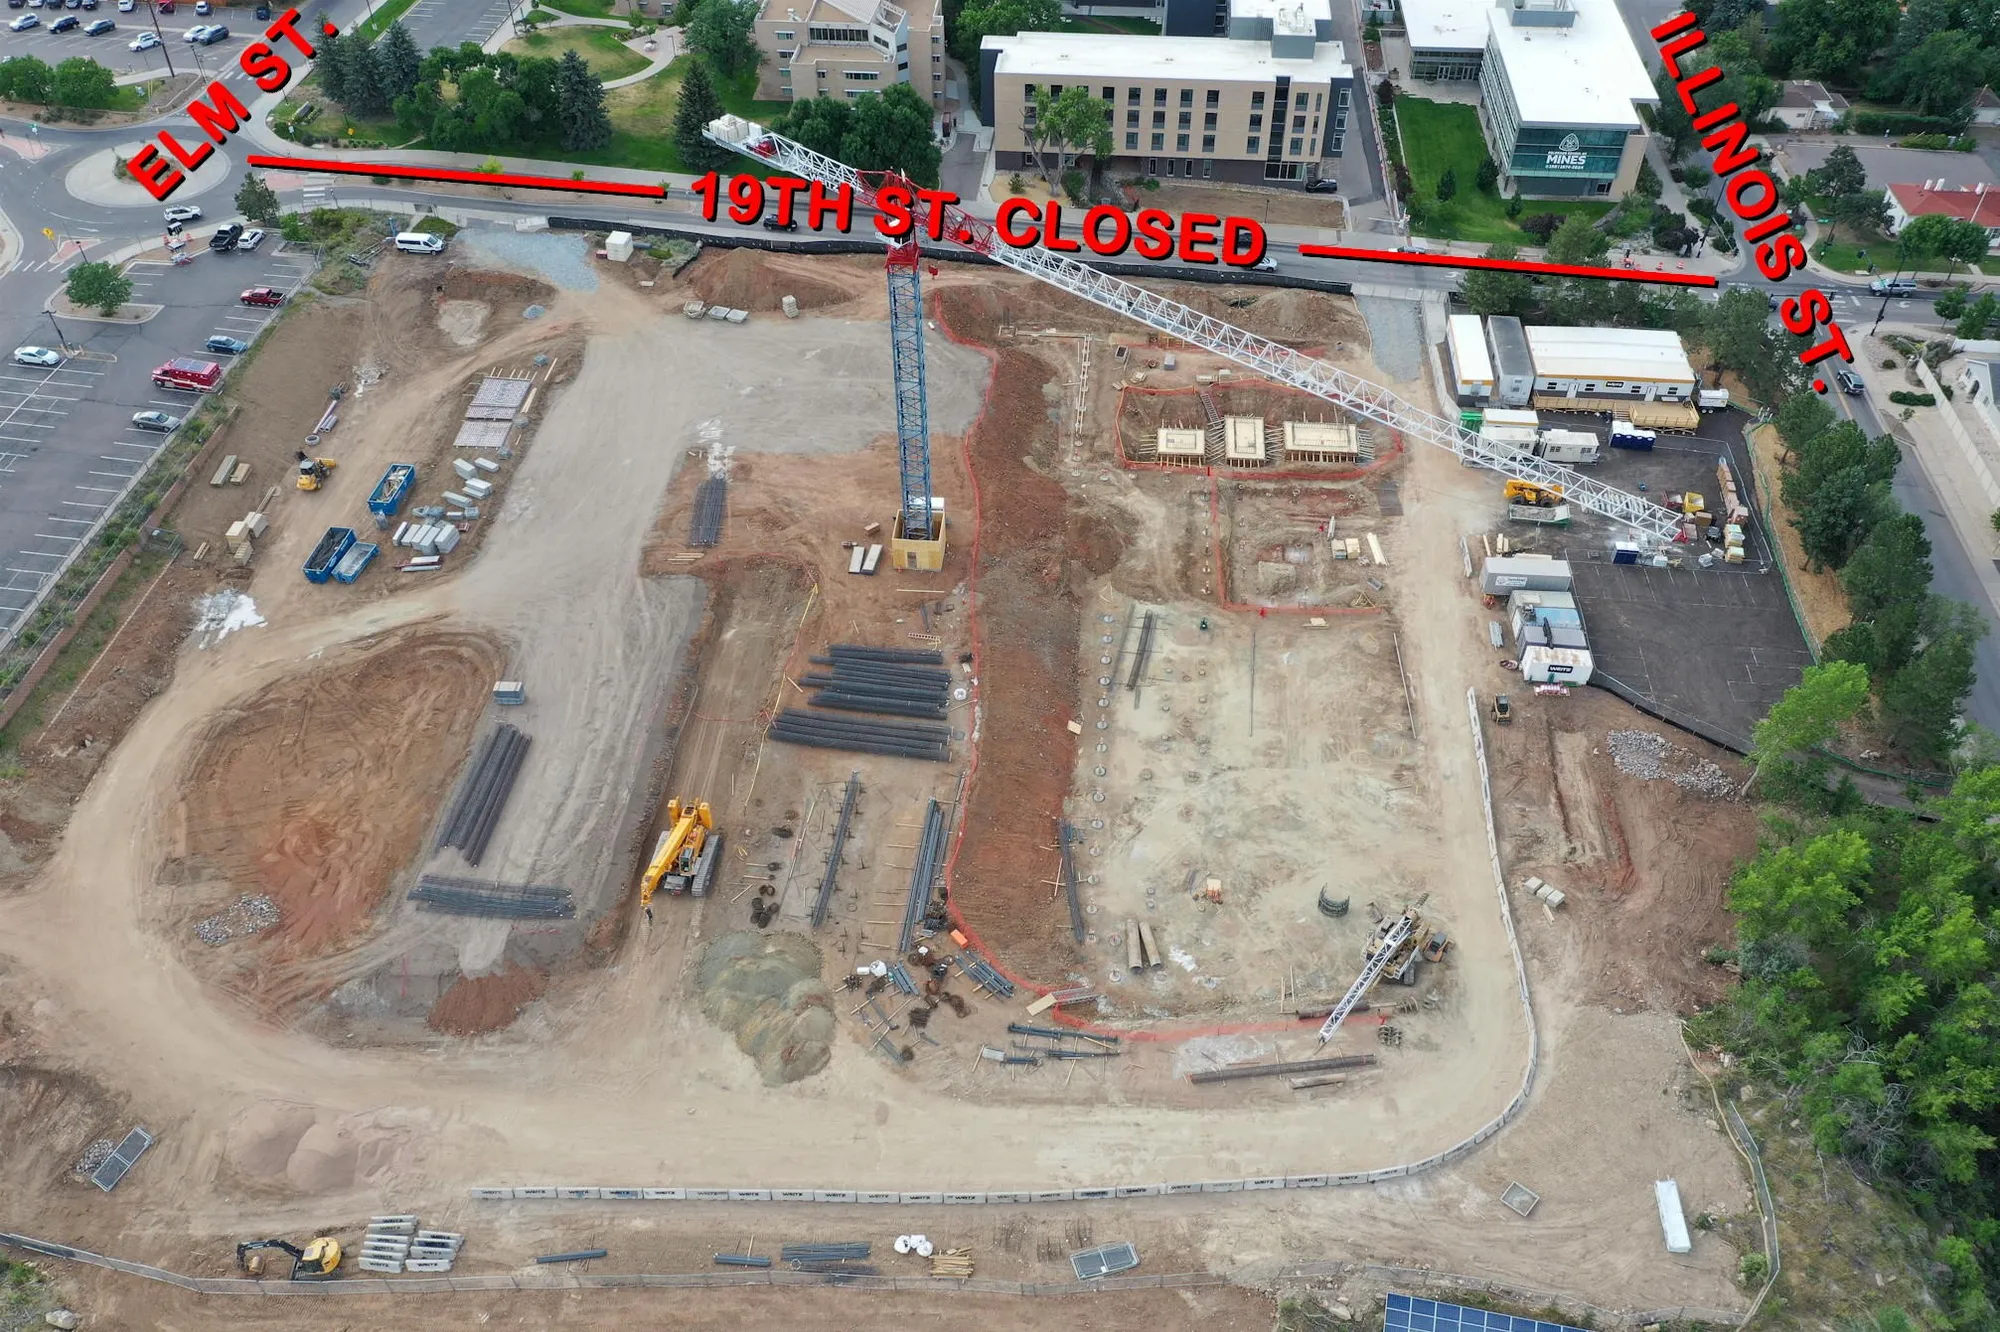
x=1509 y=265
x=391 y=172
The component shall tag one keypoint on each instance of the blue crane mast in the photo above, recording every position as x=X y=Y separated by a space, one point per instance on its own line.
x=913 y=431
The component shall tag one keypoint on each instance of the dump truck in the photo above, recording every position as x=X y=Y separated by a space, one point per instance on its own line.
x=391 y=490
x=327 y=554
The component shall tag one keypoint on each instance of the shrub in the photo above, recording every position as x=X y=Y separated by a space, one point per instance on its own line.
x=1542 y=226
x=1932 y=142
x=1903 y=398
x=1753 y=1267
x=1897 y=122
x=1697 y=176
x=1015 y=185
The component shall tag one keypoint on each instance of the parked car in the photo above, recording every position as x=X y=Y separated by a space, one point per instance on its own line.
x=262 y=296
x=42 y=356
x=250 y=239
x=201 y=8
x=124 y=6
x=214 y=33
x=184 y=213
x=16 y=4
x=73 y=4
x=773 y=224
x=1849 y=381
x=1324 y=185
x=156 y=421
x=23 y=23
x=263 y=13
x=225 y=238
x=145 y=41
x=222 y=342
x=98 y=27
x=194 y=34
x=65 y=23
x=164 y=7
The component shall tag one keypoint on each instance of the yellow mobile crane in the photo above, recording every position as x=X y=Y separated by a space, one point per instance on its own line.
x=685 y=857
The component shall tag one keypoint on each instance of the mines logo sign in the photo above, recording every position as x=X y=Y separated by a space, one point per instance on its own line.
x=1568 y=155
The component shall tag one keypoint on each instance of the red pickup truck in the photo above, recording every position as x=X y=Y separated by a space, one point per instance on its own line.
x=186 y=373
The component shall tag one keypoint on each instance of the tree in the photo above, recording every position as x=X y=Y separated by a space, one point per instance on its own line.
x=1940 y=237
x=1862 y=211
x=997 y=18
x=1447 y=185
x=1670 y=120
x=698 y=106
x=1541 y=226
x=24 y=79
x=1980 y=316
x=1803 y=418
x=1921 y=701
x=82 y=82
x=1738 y=336
x=1068 y=125
x=586 y=124
x=1489 y=176
x=1842 y=447
x=721 y=33
x=1940 y=75
x=1843 y=510
x=1578 y=242
x=1490 y=292
x=891 y=131
x=257 y=200
x=98 y=286
x=1841 y=173
x=1819 y=39
x=1951 y=304
x=1887 y=582
x=820 y=123
x=398 y=61
x=1809 y=714
x=331 y=66
x=359 y=78
x=1965 y=241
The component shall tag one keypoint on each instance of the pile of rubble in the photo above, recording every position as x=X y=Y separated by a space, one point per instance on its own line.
x=249 y=914
x=1651 y=757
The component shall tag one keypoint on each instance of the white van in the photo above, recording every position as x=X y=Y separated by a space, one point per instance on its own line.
x=419 y=242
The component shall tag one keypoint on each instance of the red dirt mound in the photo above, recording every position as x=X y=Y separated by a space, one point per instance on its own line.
x=472 y=1007
x=753 y=280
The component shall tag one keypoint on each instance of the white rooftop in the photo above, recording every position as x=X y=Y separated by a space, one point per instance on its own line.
x=1096 y=55
x=1651 y=354
x=1446 y=25
x=1586 y=74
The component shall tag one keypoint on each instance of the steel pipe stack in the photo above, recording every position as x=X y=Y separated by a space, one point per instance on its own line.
x=825 y=897
x=899 y=739
x=924 y=874
x=885 y=680
x=490 y=781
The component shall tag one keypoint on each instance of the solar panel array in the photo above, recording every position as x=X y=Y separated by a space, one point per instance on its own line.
x=106 y=1176
x=1407 y=1313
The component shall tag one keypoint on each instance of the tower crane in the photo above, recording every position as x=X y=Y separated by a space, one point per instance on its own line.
x=1272 y=360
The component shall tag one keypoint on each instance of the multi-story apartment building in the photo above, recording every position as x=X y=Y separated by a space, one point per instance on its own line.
x=1269 y=108
x=844 y=48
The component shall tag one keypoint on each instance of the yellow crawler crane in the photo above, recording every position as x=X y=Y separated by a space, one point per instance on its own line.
x=685 y=857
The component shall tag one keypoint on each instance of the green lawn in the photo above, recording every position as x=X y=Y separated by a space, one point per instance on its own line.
x=642 y=120
x=583 y=8
x=1440 y=135
x=385 y=14
x=330 y=122
x=1845 y=256
x=600 y=48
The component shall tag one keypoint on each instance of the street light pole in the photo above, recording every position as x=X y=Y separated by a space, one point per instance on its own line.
x=1887 y=292
x=61 y=342
x=167 y=52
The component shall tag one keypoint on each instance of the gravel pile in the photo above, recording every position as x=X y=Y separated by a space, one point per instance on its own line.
x=247 y=915
x=1652 y=758
x=563 y=260
x=95 y=1155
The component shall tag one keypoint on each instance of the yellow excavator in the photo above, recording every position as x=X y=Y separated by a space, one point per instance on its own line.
x=1518 y=491
x=685 y=857
x=318 y=1261
x=313 y=472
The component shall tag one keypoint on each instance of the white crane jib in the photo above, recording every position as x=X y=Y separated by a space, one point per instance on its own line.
x=1273 y=360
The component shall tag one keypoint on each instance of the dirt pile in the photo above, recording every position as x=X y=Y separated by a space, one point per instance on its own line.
x=766 y=990
x=753 y=280
x=315 y=1152
x=477 y=1004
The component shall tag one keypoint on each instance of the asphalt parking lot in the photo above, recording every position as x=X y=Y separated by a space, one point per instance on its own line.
x=1709 y=649
x=113 y=50
x=68 y=448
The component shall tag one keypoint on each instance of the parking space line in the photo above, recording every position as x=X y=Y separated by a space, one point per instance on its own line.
x=119 y=476
x=101 y=490
x=80 y=522
x=97 y=507
x=57 y=536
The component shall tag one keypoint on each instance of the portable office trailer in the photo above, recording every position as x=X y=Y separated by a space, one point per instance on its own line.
x=1555 y=665
x=1540 y=598
x=1471 y=367
x=1504 y=574
x=1640 y=363
x=1513 y=367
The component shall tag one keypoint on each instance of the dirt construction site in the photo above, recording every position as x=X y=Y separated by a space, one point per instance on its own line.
x=1206 y=735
